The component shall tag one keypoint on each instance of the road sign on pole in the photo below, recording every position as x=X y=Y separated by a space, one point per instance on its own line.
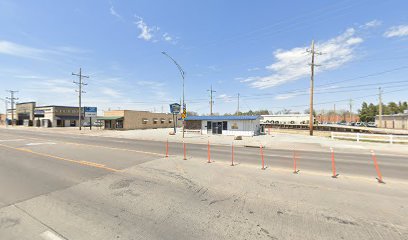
x=90 y=112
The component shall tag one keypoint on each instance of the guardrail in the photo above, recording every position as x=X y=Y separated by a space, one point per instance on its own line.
x=370 y=137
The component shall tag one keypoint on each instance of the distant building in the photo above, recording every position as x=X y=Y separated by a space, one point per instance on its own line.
x=129 y=119
x=225 y=125
x=2 y=119
x=29 y=114
x=393 y=121
x=285 y=119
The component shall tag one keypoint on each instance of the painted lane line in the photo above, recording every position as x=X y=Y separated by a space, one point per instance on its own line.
x=99 y=146
x=48 y=235
x=40 y=143
x=12 y=140
x=81 y=162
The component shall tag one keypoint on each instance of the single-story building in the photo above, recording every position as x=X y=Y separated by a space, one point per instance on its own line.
x=29 y=114
x=130 y=119
x=225 y=125
x=393 y=121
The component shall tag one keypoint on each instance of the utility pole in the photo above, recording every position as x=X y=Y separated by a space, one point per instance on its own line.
x=351 y=109
x=238 y=105
x=335 y=115
x=211 y=101
x=312 y=66
x=380 y=107
x=12 y=98
x=79 y=91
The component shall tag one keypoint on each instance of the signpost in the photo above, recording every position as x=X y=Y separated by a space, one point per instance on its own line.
x=175 y=109
x=90 y=112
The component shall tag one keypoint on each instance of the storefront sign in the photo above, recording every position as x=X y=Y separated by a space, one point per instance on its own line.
x=175 y=108
x=39 y=113
x=90 y=112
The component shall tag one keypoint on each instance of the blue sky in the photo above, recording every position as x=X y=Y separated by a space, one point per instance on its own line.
x=254 y=48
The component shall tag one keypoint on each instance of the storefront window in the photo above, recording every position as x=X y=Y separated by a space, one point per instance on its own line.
x=119 y=124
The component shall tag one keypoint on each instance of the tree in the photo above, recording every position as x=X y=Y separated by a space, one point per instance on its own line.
x=307 y=111
x=191 y=113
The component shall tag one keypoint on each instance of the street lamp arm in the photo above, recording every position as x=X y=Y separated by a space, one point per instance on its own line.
x=178 y=65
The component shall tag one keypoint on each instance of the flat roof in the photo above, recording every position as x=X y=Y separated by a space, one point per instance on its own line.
x=56 y=106
x=220 y=118
x=110 y=118
x=24 y=103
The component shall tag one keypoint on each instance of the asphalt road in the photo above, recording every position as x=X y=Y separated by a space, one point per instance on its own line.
x=35 y=165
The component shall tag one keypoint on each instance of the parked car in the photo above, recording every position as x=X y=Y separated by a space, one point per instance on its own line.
x=371 y=124
x=359 y=124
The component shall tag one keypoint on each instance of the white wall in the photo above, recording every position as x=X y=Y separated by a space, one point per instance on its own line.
x=285 y=119
x=244 y=127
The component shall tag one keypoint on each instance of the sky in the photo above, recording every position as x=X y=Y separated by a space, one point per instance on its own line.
x=257 y=49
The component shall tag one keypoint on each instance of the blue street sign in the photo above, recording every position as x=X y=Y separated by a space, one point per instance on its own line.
x=175 y=108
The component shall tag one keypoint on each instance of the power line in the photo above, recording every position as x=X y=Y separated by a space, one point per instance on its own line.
x=80 y=84
x=211 y=99
x=12 y=98
x=312 y=66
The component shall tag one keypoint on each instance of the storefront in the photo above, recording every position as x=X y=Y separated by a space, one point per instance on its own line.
x=225 y=125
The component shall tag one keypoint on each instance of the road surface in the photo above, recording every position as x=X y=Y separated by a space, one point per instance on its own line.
x=37 y=165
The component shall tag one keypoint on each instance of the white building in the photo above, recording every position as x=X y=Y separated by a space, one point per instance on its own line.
x=286 y=119
x=225 y=125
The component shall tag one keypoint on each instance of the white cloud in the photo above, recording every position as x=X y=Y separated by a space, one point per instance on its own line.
x=253 y=69
x=110 y=92
x=397 y=31
x=226 y=98
x=18 y=50
x=372 y=24
x=167 y=37
x=292 y=64
x=146 y=32
x=302 y=92
x=114 y=13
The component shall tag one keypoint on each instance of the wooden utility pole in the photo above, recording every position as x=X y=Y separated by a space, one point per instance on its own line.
x=312 y=66
x=211 y=100
x=79 y=91
x=12 y=98
x=380 y=107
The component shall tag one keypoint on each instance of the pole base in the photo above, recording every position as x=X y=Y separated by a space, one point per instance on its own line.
x=335 y=176
x=380 y=181
x=232 y=164
x=296 y=172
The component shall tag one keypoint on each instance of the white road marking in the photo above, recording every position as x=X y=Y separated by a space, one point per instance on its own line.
x=12 y=140
x=43 y=143
x=48 y=235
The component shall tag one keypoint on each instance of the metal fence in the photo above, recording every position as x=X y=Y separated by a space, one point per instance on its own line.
x=371 y=137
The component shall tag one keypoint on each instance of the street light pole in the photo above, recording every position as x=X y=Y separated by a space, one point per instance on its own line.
x=182 y=73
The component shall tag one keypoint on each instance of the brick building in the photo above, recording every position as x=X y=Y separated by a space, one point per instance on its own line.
x=129 y=119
